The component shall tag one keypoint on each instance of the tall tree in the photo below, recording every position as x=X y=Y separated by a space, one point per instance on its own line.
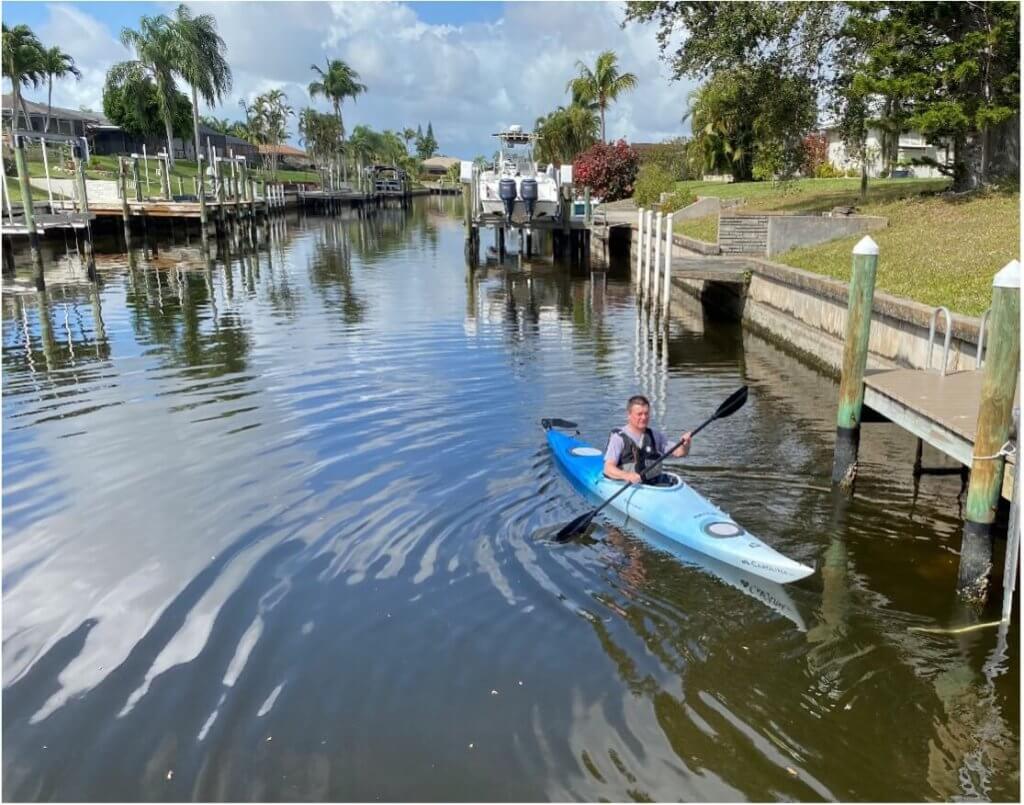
x=156 y=49
x=200 y=61
x=408 y=136
x=56 y=64
x=566 y=133
x=23 y=64
x=336 y=83
x=131 y=101
x=950 y=70
x=426 y=144
x=602 y=85
x=270 y=120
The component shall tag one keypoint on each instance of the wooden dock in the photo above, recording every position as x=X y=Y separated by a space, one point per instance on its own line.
x=940 y=410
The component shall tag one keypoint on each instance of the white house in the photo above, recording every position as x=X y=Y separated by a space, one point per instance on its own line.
x=912 y=146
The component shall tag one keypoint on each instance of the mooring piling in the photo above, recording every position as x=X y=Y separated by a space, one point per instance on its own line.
x=995 y=414
x=855 y=356
x=639 y=242
x=30 y=218
x=122 y=180
x=666 y=291
x=165 y=175
x=655 y=273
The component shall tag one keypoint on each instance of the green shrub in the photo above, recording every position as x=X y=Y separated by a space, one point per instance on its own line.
x=677 y=200
x=826 y=170
x=651 y=181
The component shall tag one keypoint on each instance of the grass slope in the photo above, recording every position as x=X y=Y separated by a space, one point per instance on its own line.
x=937 y=250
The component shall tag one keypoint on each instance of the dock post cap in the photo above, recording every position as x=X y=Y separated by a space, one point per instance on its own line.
x=1008 y=276
x=866 y=246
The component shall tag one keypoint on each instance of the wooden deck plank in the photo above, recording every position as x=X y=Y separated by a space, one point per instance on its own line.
x=941 y=410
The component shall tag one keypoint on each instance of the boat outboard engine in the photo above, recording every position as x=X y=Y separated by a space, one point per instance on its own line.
x=507 y=194
x=528 y=190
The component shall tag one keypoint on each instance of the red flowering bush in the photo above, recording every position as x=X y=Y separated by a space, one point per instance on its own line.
x=608 y=170
x=815 y=147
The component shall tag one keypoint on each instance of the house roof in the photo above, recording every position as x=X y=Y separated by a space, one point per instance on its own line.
x=284 y=150
x=56 y=111
x=440 y=162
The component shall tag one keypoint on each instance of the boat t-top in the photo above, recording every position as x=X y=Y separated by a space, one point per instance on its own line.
x=514 y=188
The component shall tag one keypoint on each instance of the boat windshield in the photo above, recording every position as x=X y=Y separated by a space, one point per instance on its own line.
x=517 y=158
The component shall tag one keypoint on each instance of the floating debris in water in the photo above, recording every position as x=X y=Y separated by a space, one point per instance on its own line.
x=170 y=773
x=471 y=746
x=494 y=693
x=793 y=772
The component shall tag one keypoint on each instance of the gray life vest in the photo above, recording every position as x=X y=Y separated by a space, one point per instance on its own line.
x=634 y=457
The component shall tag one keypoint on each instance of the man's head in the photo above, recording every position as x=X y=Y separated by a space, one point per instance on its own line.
x=638 y=412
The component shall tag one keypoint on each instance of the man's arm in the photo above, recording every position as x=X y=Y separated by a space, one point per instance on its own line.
x=611 y=462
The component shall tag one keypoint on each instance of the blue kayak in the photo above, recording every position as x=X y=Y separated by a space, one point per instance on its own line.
x=675 y=511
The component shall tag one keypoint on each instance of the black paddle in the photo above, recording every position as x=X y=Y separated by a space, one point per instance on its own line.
x=730 y=406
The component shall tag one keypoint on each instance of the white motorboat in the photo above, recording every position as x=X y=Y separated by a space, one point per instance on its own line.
x=514 y=188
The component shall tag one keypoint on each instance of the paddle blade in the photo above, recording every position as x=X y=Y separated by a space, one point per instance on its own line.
x=557 y=423
x=577 y=526
x=735 y=402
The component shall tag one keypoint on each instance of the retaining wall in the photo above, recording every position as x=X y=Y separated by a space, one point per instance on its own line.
x=808 y=312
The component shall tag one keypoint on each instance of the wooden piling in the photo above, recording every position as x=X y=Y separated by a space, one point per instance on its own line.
x=639 y=243
x=30 y=218
x=855 y=357
x=165 y=177
x=201 y=193
x=136 y=178
x=83 y=207
x=126 y=213
x=666 y=292
x=8 y=257
x=995 y=414
x=655 y=268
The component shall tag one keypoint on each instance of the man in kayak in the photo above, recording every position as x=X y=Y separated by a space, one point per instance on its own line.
x=636 y=446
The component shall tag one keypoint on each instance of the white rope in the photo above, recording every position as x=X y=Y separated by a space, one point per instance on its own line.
x=1008 y=450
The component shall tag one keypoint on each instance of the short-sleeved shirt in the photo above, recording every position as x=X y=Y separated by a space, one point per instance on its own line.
x=616 y=445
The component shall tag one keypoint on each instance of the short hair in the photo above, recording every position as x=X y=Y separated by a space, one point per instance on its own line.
x=638 y=399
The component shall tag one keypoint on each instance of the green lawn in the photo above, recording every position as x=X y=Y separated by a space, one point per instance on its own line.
x=937 y=251
x=705 y=229
x=811 y=195
x=105 y=167
x=15 y=190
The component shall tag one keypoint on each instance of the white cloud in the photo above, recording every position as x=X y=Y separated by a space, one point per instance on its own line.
x=466 y=79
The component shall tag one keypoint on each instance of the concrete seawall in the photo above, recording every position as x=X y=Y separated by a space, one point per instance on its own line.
x=807 y=313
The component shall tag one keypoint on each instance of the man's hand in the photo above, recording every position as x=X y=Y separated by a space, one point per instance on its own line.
x=684 y=448
x=632 y=477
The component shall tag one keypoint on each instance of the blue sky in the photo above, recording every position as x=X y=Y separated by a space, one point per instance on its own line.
x=465 y=67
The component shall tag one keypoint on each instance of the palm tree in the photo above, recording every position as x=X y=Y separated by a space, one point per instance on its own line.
x=219 y=124
x=270 y=120
x=23 y=64
x=200 y=60
x=337 y=82
x=602 y=85
x=56 y=64
x=408 y=135
x=156 y=50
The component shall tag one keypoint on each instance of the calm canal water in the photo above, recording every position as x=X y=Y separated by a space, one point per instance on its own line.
x=277 y=527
